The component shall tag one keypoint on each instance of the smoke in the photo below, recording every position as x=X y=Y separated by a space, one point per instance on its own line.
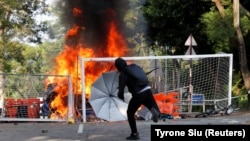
x=94 y=20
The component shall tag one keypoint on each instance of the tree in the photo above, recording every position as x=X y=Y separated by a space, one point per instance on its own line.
x=241 y=45
x=171 y=22
x=230 y=39
x=136 y=26
x=19 y=20
x=18 y=24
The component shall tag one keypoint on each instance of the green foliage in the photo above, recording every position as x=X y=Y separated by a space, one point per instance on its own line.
x=18 y=19
x=50 y=51
x=23 y=86
x=221 y=34
x=19 y=25
x=130 y=18
x=25 y=59
x=10 y=52
x=219 y=30
x=33 y=60
x=245 y=26
x=171 y=22
x=135 y=28
x=239 y=91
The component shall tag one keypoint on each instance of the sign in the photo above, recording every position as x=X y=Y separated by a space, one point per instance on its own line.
x=192 y=52
x=190 y=41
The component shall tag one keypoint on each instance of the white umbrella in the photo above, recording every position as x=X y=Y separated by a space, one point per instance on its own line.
x=104 y=99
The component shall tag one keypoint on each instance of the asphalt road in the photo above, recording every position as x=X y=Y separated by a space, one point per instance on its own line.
x=102 y=131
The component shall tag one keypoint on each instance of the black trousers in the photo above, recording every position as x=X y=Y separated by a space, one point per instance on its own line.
x=144 y=98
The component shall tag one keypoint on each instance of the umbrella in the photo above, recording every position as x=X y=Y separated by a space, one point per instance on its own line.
x=104 y=99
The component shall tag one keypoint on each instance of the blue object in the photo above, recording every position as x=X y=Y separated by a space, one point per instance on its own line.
x=197 y=99
x=45 y=109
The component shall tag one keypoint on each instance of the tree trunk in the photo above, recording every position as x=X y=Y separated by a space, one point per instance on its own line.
x=242 y=50
x=241 y=44
x=1 y=95
x=219 y=7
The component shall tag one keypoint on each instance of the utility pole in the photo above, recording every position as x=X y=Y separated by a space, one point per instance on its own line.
x=190 y=42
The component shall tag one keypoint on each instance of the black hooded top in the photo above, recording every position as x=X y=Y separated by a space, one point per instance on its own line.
x=126 y=80
x=120 y=64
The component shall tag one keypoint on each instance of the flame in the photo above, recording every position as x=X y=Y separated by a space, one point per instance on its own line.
x=67 y=63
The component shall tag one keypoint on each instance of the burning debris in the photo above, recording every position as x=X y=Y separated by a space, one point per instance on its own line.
x=49 y=96
x=95 y=32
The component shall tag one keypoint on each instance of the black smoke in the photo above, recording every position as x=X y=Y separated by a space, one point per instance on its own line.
x=94 y=21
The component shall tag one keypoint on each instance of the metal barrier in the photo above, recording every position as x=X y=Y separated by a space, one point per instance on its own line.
x=23 y=96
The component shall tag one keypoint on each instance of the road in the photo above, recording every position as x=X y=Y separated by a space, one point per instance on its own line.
x=102 y=131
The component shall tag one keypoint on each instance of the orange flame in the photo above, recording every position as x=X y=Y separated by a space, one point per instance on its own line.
x=66 y=63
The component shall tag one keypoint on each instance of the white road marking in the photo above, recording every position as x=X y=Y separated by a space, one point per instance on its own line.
x=80 y=129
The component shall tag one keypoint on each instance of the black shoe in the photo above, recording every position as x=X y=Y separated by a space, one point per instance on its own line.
x=133 y=136
x=155 y=114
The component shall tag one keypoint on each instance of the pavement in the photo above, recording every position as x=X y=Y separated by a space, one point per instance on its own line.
x=103 y=131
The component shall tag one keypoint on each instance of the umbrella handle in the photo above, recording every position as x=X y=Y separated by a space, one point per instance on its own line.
x=152 y=70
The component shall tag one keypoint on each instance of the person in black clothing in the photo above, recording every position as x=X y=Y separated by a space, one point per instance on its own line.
x=141 y=95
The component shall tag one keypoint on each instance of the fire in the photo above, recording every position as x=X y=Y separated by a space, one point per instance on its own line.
x=67 y=63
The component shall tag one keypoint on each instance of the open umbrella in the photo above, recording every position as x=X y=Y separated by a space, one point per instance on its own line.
x=104 y=99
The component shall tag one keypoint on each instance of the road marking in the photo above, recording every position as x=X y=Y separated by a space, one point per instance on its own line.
x=80 y=129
